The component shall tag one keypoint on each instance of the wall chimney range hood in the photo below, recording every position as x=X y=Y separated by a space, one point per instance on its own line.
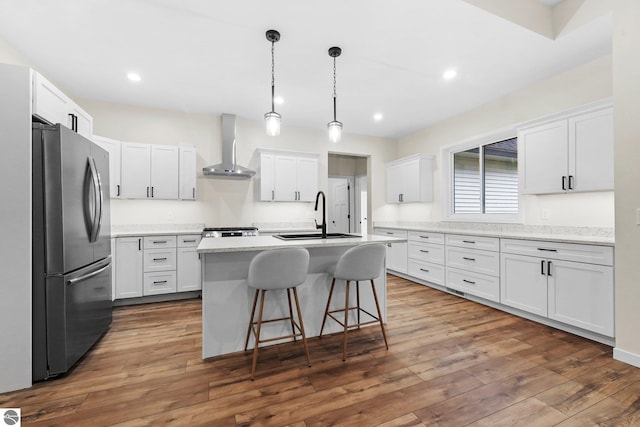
x=228 y=168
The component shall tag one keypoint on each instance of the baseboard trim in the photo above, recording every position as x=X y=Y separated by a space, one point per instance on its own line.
x=626 y=357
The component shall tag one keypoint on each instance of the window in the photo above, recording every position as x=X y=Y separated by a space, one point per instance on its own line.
x=483 y=179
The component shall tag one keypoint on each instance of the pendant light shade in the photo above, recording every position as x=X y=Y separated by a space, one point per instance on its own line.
x=334 y=126
x=272 y=119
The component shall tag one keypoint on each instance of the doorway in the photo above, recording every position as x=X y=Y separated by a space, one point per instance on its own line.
x=348 y=197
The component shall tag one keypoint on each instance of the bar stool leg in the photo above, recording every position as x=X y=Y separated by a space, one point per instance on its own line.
x=326 y=310
x=358 y=301
x=375 y=297
x=293 y=329
x=255 y=347
x=304 y=335
x=346 y=319
x=253 y=312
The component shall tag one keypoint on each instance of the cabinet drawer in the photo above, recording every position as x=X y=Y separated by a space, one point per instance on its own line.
x=188 y=241
x=426 y=237
x=591 y=254
x=426 y=252
x=484 y=262
x=159 y=283
x=391 y=232
x=159 y=260
x=433 y=273
x=480 y=285
x=473 y=242
x=157 y=242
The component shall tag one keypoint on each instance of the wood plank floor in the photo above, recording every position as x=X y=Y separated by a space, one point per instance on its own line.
x=451 y=362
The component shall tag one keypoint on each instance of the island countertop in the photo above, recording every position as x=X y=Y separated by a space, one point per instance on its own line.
x=258 y=243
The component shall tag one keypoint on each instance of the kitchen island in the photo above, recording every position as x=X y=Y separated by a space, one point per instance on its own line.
x=226 y=298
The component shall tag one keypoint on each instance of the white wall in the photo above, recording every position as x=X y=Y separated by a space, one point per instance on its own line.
x=626 y=95
x=582 y=85
x=15 y=228
x=227 y=202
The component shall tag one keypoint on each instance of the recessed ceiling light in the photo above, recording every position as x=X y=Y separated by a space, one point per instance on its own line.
x=449 y=74
x=134 y=77
x=278 y=100
x=377 y=117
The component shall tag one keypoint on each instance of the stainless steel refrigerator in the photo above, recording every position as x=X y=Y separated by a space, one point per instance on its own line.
x=71 y=248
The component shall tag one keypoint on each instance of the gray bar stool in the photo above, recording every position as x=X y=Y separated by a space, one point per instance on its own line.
x=271 y=270
x=363 y=262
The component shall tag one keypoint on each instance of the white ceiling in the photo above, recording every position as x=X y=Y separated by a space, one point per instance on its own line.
x=212 y=57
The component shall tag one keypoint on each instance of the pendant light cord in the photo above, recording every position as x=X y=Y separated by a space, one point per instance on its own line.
x=334 y=88
x=273 y=79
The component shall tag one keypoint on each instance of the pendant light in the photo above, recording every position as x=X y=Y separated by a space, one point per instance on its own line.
x=335 y=127
x=272 y=119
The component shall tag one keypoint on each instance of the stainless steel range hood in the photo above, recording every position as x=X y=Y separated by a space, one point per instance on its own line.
x=228 y=168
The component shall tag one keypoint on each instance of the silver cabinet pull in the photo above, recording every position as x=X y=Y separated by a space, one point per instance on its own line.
x=160 y=259
x=422 y=250
x=159 y=282
x=547 y=250
x=424 y=269
x=548 y=268
x=468 y=259
x=189 y=241
x=147 y=191
x=159 y=241
x=469 y=241
x=194 y=192
x=424 y=237
x=468 y=281
x=542 y=267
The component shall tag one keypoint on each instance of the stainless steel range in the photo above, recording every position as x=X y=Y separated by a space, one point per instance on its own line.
x=214 y=232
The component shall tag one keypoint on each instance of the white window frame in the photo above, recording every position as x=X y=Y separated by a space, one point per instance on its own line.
x=447 y=153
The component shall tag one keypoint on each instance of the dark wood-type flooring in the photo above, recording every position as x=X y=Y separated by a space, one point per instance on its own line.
x=451 y=362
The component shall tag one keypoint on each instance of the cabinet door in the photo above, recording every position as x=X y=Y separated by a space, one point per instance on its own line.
x=135 y=170
x=189 y=270
x=267 y=177
x=84 y=122
x=591 y=151
x=394 y=183
x=113 y=147
x=543 y=158
x=307 y=179
x=286 y=171
x=114 y=270
x=187 y=171
x=397 y=257
x=411 y=181
x=48 y=102
x=582 y=295
x=164 y=172
x=524 y=283
x=129 y=272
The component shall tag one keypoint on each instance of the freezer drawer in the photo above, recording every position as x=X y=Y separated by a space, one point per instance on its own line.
x=78 y=312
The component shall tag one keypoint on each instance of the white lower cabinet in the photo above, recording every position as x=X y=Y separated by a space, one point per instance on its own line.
x=580 y=294
x=396 y=252
x=129 y=270
x=473 y=265
x=426 y=256
x=155 y=265
x=189 y=269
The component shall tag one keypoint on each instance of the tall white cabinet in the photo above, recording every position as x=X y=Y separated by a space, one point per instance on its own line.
x=573 y=152
x=288 y=177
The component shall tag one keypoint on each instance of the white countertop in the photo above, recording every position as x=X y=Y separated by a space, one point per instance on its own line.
x=564 y=234
x=131 y=230
x=259 y=243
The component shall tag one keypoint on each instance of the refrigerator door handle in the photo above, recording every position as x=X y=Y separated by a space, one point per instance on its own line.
x=92 y=207
x=99 y=198
x=87 y=276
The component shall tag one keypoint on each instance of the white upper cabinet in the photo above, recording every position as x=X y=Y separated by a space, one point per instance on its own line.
x=114 y=149
x=136 y=170
x=164 y=172
x=51 y=104
x=573 y=153
x=288 y=177
x=410 y=179
x=187 y=171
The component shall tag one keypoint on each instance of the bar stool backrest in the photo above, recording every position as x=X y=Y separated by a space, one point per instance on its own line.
x=279 y=268
x=364 y=262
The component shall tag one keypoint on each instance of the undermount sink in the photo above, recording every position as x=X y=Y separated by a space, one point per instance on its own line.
x=307 y=236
